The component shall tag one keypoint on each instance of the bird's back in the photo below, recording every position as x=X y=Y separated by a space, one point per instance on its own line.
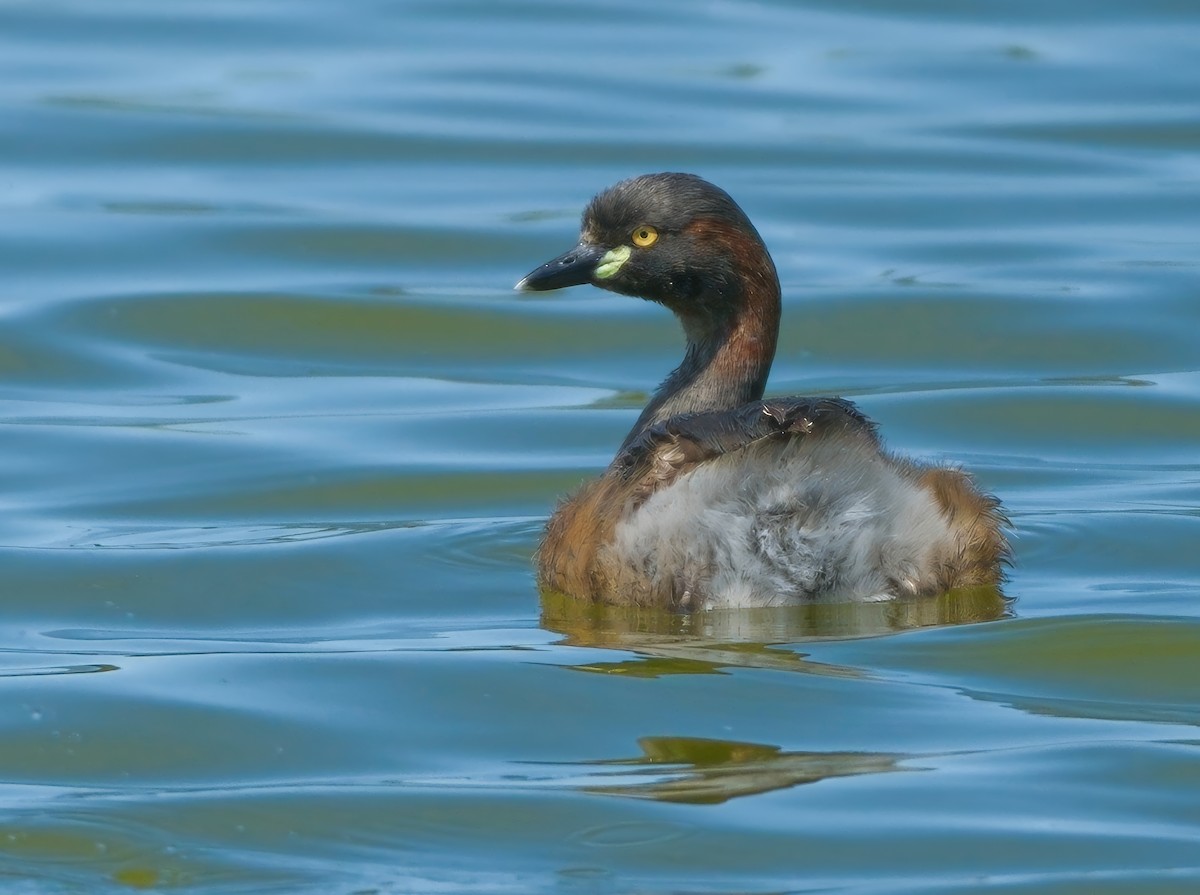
x=731 y=511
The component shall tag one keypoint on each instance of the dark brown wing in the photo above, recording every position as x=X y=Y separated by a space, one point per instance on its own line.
x=669 y=449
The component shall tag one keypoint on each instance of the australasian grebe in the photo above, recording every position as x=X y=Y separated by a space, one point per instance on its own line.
x=719 y=497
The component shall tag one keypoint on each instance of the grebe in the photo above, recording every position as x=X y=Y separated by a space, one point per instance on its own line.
x=719 y=498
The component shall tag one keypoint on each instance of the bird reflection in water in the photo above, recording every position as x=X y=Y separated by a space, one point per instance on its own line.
x=663 y=642
x=658 y=642
x=707 y=772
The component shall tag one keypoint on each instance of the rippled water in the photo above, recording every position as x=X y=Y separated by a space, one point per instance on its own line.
x=278 y=441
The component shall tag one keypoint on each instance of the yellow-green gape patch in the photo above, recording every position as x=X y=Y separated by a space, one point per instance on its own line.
x=611 y=262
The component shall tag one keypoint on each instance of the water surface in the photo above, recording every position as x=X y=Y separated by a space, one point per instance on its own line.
x=278 y=440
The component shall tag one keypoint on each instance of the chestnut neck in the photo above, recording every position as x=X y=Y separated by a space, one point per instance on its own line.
x=731 y=322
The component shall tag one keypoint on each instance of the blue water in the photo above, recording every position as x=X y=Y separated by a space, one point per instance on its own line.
x=279 y=439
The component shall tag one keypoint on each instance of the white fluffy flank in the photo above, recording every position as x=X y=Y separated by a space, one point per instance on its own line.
x=829 y=519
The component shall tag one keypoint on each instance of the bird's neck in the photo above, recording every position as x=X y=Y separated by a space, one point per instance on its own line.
x=730 y=350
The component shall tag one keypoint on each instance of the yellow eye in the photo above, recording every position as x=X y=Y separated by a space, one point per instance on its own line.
x=645 y=236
